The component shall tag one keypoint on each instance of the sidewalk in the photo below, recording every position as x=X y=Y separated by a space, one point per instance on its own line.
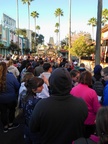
x=14 y=136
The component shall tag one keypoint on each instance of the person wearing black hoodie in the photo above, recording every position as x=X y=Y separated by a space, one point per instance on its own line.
x=60 y=117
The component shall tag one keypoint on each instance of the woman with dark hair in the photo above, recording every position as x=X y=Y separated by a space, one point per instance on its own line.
x=33 y=86
x=75 y=74
x=102 y=125
x=82 y=90
x=9 y=87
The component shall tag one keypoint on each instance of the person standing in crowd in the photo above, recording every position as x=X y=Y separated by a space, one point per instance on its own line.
x=23 y=89
x=104 y=75
x=9 y=87
x=39 y=69
x=47 y=73
x=75 y=74
x=63 y=62
x=29 y=101
x=102 y=125
x=82 y=67
x=60 y=117
x=82 y=90
x=25 y=70
x=11 y=68
x=98 y=82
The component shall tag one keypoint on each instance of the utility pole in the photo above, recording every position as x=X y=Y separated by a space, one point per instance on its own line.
x=69 y=29
x=98 y=33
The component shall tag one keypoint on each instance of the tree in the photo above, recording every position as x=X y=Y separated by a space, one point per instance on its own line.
x=58 y=13
x=13 y=47
x=38 y=28
x=40 y=39
x=35 y=15
x=17 y=18
x=57 y=31
x=104 y=16
x=93 y=23
x=28 y=2
x=82 y=47
x=21 y=32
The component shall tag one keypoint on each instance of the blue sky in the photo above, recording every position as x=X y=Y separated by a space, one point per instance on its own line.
x=82 y=11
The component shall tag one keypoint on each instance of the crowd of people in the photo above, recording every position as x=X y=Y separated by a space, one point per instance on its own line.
x=62 y=102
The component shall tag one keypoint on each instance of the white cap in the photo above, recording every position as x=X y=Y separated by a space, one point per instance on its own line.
x=75 y=63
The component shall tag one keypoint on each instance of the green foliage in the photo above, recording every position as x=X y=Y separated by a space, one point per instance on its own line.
x=104 y=16
x=58 y=12
x=1 y=45
x=22 y=32
x=92 y=21
x=26 y=1
x=35 y=14
x=56 y=31
x=26 y=50
x=40 y=39
x=82 y=47
x=13 y=46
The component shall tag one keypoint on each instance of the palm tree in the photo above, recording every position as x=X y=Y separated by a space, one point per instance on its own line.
x=93 y=23
x=69 y=29
x=104 y=16
x=38 y=28
x=17 y=7
x=57 y=31
x=35 y=15
x=57 y=25
x=58 y=13
x=28 y=2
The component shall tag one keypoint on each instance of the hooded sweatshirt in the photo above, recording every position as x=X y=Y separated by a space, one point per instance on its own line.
x=60 y=117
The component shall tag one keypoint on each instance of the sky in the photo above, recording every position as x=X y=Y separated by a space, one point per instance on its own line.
x=81 y=12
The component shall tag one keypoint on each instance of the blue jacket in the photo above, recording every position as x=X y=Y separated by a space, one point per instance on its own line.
x=105 y=98
x=12 y=87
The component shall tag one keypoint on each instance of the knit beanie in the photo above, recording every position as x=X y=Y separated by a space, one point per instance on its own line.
x=97 y=69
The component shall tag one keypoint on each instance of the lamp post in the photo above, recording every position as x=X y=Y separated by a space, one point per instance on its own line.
x=69 y=29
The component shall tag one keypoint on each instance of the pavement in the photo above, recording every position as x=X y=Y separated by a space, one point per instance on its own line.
x=14 y=136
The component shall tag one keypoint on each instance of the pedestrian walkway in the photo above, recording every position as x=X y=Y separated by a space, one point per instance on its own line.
x=14 y=136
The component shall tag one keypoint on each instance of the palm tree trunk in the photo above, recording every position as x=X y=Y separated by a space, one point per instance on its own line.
x=29 y=27
x=98 y=33
x=35 y=30
x=92 y=33
x=28 y=17
x=69 y=29
x=59 y=35
x=18 y=21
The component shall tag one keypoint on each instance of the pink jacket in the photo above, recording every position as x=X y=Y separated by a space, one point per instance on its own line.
x=91 y=99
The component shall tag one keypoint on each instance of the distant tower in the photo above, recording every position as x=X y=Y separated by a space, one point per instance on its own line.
x=51 y=41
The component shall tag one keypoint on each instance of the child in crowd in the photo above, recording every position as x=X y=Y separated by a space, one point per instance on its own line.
x=33 y=85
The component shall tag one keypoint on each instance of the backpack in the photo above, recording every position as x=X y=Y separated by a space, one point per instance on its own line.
x=98 y=86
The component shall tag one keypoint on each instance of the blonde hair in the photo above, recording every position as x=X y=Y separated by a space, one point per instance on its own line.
x=10 y=62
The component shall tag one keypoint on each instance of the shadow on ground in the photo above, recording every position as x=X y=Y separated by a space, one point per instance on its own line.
x=14 y=136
